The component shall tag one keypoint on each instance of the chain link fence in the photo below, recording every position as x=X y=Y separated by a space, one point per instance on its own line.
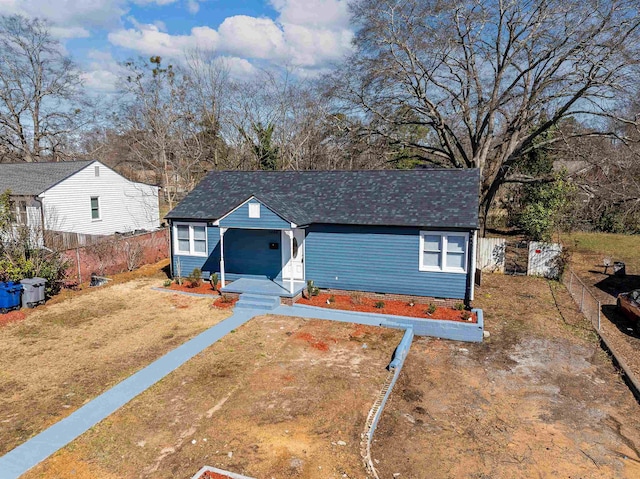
x=586 y=301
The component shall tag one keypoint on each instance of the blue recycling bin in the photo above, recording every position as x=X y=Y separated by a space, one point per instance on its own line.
x=10 y=293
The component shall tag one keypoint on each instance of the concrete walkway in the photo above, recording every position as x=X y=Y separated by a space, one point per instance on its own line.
x=38 y=448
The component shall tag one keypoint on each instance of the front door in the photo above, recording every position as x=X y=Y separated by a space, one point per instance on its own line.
x=297 y=262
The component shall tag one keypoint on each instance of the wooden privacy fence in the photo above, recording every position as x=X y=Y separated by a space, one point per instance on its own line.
x=491 y=254
x=497 y=255
x=63 y=240
x=116 y=254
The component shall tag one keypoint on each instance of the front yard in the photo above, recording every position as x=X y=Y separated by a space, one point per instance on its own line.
x=73 y=349
x=279 y=397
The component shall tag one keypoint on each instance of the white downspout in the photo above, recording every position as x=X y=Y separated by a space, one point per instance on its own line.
x=473 y=264
x=222 y=281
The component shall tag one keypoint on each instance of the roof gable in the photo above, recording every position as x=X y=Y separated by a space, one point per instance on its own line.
x=239 y=217
x=445 y=198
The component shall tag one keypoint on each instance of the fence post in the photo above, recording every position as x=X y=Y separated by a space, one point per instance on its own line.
x=571 y=283
x=78 y=264
x=599 y=309
x=582 y=300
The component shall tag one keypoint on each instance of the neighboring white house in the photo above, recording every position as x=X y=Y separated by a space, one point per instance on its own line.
x=79 y=197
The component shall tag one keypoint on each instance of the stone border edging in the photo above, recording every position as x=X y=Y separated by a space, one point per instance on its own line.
x=399 y=355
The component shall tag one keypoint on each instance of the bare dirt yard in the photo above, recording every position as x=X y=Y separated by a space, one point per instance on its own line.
x=279 y=397
x=82 y=343
x=539 y=398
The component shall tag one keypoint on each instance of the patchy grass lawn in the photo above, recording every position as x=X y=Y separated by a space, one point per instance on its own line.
x=539 y=398
x=272 y=399
x=616 y=246
x=82 y=343
x=588 y=251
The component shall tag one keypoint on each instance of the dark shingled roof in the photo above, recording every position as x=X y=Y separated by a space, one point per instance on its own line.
x=34 y=178
x=442 y=198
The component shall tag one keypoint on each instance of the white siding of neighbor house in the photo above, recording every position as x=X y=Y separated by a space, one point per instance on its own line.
x=124 y=205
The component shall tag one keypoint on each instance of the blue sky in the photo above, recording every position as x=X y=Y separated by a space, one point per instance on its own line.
x=305 y=35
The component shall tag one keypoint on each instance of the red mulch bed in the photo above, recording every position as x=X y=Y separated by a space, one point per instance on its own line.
x=395 y=307
x=222 y=304
x=204 y=288
x=11 y=317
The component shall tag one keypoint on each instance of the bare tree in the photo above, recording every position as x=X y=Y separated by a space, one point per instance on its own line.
x=276 y=120
x=208 y=80
x=40 y=93
x=478 y=83
x=607 y=174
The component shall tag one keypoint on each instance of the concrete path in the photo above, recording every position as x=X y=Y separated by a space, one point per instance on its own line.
x=38 y=448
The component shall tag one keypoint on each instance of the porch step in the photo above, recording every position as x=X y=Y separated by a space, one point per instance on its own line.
x=258 y=301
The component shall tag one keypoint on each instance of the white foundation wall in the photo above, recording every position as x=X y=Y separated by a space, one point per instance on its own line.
x=124 y=205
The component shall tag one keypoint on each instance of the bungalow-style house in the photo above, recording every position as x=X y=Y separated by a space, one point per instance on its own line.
x=80 y=197
x=403 y=232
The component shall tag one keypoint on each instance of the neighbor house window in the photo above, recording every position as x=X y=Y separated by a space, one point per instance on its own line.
x=21 y=212
x=191 y=239
x=254 y=210
x=96 y=170
x=443 y=251
x=95 y=208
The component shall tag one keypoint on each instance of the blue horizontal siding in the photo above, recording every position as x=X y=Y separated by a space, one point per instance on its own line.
x=374 y=259
x=246 y=253
x=268 y=219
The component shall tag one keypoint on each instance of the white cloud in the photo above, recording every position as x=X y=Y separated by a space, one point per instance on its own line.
x=69 y=32
x=193 y=6
x=252 y=37
x=237 y=67
x=103 y=73
x=148 y=39
x=157 y=2
x=332 y=14
x=69 y=14
x=307 y=34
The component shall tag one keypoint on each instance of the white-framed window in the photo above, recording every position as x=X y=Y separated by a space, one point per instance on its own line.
x=443 y=251
x=254 y=210
x=95 y=208
x=190 y=238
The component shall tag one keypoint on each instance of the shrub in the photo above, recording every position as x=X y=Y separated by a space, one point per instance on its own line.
x=226 y=299
x=20 y=254
x=332 y=299
x=167 y=283
x=195 y=278
x=213 y=279
x=431 y=309
x=459 y=306
x=356 y=297
x=312 y=289
x=379 y=304
x=466 y=315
